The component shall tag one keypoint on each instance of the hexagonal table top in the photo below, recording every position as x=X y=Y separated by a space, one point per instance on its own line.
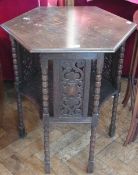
x=69 y=29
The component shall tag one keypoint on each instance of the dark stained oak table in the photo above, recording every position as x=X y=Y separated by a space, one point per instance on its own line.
x=68 y=60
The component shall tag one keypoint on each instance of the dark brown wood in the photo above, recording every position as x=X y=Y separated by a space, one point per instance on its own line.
x=22 y=132
x=63 y=75
x=45 y=111
x=69 y=29
x=71 y=85
x=95 y=112
x=30 y=73
x=57 y=90
x=91 y=152
x=80 y=119
x=112 y=127
x=87 y=74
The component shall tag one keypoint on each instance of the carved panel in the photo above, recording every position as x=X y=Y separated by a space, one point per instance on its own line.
x=72 y=87
x=108 y=63
x=30 y=73
x=71 y=82
x=27 y=66
x=110 y=67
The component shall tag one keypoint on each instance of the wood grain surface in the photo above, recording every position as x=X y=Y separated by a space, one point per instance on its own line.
x=69 y=29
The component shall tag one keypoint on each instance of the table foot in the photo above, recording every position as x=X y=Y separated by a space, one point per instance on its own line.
x=112 y=127
x=22 y=132
x=91 y=152
x=112 y=130
x=47 y=168
x=46 y=145
x=90 y=168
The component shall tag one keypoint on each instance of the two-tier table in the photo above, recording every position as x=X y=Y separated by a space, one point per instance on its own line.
x=68 y=60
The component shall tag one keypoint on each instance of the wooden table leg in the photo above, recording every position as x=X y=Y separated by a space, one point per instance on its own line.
x=112 y=127
x=95 y=112
x=45 y=111
x=22 y=132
